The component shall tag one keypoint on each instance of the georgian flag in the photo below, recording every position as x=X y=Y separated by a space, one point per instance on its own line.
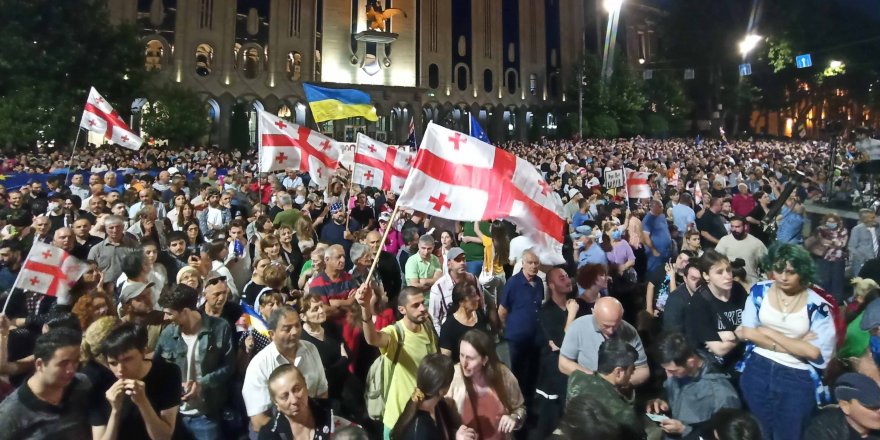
x=100 y=117
x=380 y=165
x=285 y=145
x=50 y=271
x=637 y=185
x=461 y=178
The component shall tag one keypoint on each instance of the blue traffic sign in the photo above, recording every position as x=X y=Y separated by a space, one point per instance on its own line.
x=803 y=61
x=745 y=69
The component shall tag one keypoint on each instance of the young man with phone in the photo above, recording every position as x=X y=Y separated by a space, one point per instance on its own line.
x=695 y=391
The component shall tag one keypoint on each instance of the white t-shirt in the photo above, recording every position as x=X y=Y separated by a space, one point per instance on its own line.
x=190 y=407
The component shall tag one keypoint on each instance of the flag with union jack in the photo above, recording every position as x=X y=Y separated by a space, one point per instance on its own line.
x=380 y=165
x=50 y=271
x=285 y=145
x=461 y=178
x=100 y=117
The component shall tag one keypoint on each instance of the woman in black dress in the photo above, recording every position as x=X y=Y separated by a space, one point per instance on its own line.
x=428 y=416
x=466 y=315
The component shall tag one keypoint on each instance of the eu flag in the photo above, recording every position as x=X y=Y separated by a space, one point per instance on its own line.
x=477 y=131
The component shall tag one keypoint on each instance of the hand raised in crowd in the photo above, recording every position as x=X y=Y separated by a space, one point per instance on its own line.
x=572 y=306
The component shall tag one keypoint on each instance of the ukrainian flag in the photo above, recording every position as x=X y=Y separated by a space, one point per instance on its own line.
x=331 y=104
x=251 y=320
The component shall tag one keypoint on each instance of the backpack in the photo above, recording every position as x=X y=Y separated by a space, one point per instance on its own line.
x=376 y=392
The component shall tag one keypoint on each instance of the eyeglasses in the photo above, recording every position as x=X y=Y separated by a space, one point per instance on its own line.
x=212 y=281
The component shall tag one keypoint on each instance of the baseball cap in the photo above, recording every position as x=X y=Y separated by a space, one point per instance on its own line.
x=336 y=207
x=856 y=386
x=871 y=317
x=581 y=231
x=385 y=216
x=132 y=290
x=573 y=192
x=173 y=171
x=454 y=253
x=214 y=275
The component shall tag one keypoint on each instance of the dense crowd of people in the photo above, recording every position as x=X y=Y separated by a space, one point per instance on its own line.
x=220 y=302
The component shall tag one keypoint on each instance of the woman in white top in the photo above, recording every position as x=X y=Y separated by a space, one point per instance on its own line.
x=791 y=334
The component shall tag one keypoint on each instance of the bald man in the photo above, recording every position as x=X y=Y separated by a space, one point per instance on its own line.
x=63 y=239
x=580 y=347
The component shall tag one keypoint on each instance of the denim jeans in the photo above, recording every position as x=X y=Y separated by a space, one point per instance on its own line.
x=474 y=267
x=781 y=398
x=201 y=427
x=831 y=277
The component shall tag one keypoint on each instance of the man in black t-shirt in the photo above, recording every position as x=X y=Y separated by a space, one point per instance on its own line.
x=53 y=402
x=711 y=225
x=145 y=398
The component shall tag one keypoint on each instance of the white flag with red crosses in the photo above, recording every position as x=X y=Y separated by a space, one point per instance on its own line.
x=100 y=117
x=285 y=145
x=380 y=165
x=459 y=177
x=50 y=271
x=637 y=185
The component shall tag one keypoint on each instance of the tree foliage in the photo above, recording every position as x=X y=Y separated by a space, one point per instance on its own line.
x=177 y=114
x=52 y=53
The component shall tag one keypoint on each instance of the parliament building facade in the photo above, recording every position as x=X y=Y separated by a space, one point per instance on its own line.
x=510 y=63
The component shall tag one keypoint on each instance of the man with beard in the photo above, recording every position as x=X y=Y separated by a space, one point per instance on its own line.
x=740 y=244
x=411 y=338
x=335 y=232
x=441 y=290
x=136 y=305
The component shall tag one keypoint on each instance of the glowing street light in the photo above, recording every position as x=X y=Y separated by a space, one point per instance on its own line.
x=612 y=6
x=748 y=43
x=835 y=64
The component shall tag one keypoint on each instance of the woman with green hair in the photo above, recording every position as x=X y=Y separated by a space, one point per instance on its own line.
x=791 y=337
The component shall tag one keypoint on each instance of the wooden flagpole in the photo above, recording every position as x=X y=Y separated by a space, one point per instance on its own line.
x=70 y=162
x=382 y=243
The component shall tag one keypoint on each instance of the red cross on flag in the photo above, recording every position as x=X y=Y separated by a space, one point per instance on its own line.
x=100 y=117
x=286 y=145
x=380 y=165
x=461 y=178
x=50 y=271
x=637 y=185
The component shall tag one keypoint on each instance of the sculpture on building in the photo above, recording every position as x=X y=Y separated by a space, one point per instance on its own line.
x=376 y=16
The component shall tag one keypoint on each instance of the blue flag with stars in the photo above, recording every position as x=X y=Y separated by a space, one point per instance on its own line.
x=477 y=131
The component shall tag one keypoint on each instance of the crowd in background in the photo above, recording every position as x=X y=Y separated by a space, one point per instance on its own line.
x=220 y=302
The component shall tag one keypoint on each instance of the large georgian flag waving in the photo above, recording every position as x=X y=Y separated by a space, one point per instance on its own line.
x=50 y=271
x=100 y=117
x=380 y=165
x=458 y=177
x=285 y=145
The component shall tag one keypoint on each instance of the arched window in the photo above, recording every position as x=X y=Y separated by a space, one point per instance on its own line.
x=204 y=58
x=461 y=77
x=154 y=54
x=294 y=66
x=251 y=63
x=433 y=76
x=511 y=82
x=487 y=80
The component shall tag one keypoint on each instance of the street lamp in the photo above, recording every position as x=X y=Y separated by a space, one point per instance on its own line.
x=612 y=6
x=835 y=64
x=748 y=43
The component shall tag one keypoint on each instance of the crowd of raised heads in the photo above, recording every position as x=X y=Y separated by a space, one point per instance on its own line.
x=217 y=302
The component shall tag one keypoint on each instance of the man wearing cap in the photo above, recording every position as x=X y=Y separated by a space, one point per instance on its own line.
x=587 y=250
x=441 y=290
x=335 y=232
x=857 y=415
x=136 y=305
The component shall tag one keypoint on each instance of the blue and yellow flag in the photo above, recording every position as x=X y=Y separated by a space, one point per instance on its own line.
x=331 y=104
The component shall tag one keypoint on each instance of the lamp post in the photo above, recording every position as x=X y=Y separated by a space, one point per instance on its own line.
x=612 y=7
x=748 y=43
